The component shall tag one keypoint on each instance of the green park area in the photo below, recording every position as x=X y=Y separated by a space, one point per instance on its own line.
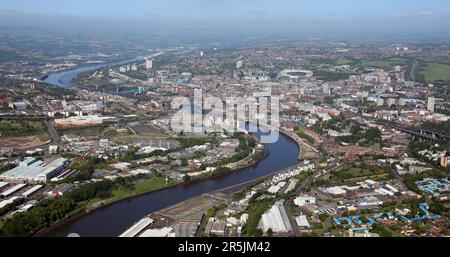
x=385 y=63
x=350 y=174
x=140 y=187
x=15 y=128
x=435 y=72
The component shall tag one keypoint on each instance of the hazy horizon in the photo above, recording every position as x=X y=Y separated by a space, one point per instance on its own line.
x=349 y=17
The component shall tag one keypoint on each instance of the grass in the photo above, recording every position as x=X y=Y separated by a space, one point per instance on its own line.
x=14 y=128
x=44 y=137
x=146 y=186
x=372 y=177
x=85 y=131
x=435 y=72
x=385 y=63
x=356 y=174
x=344 y=61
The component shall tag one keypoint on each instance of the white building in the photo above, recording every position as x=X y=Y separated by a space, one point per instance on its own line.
x=276 y=219
x=302 y=200
x=302 y=222
x=431 y=104
x=239 y=64
x=148 y=64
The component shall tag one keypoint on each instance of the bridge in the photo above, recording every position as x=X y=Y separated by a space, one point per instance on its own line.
x=422 y=134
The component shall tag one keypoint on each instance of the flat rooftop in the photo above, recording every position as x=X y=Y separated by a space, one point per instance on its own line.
x=33 y=169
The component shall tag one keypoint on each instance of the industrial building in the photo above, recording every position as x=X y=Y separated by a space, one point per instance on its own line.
x=13 y=189
x=8 y=201
x=276 y=219
x=32 y=169
x=32 y=191
x=3 y=185
x=137 y=228
x=161 y=232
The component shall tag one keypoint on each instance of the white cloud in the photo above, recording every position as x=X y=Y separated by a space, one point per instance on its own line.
x=427 y=13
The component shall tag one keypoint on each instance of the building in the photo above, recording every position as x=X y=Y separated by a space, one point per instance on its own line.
x=3 y=185
x=444 y=161
x=276 y=219
x=239 y=64
x=148 y=64
x=80 y=121
x=302 y=223
x=326 y=89
x=431 y=104
x=302 y=200
x=137 y=228
x=13 y=190
x=18 y=106
x=297 y=74
x=8 y=201
x=160 y=232
x=216 y=227
x=32 y=191
x=359 y=232
x=60 y=190
x=32 y=169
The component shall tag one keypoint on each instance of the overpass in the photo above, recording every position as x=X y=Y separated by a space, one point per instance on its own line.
x=422 y=134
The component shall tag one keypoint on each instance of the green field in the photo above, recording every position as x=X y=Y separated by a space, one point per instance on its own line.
x=13 y=128
x=435 y=71
x=385 y=63
x=146 y=186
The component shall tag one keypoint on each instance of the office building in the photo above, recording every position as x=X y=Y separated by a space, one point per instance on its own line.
x=148 y=64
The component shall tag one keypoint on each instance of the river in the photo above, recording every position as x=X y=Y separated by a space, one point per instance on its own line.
x=64 y=78
x=114 y=219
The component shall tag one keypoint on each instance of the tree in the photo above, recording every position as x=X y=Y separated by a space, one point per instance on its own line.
x=364 y=219
x=259 y=233
x=186 y=178
x=373 y=135
x=270 y=232
x=356 y=129
x=323 y=217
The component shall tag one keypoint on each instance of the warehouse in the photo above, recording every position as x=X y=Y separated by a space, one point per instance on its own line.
x=3 y=185
x=8 y=201
x=302 y=222
x=32 y=191
x=276 y=219
x=13 y=189
x=137 y=228
x=162 y=232
x=32 y=169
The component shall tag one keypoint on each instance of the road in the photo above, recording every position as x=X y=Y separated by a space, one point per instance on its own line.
x=412 y=73
x=52 y=131
x=305 y=184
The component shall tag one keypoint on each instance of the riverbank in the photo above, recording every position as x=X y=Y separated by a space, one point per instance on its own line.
x=124 y=213
x=98 y=206
x=84 y=211
x=307 y=151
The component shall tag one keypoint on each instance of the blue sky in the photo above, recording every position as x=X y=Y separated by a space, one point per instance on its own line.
x=231 y=9
x=333 y=14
